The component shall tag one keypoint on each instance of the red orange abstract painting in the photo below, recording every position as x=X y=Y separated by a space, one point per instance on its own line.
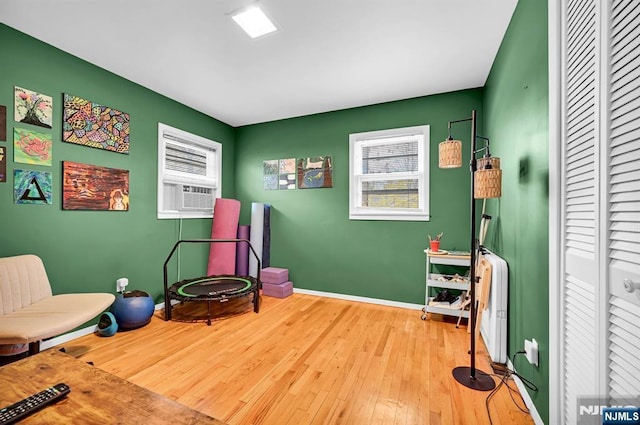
x=90 y=187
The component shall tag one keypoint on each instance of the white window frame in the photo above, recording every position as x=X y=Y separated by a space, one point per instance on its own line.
x=169 y=178
x=358 y=141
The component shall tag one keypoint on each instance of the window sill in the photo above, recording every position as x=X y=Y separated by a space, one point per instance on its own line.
x=390 y=217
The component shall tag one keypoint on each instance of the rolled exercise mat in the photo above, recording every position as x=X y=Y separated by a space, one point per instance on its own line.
x=222 y=255
x=242 y=252
x=257 y=226
x=266 y=237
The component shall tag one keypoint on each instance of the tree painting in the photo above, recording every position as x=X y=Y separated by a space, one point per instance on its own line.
x=33 y=108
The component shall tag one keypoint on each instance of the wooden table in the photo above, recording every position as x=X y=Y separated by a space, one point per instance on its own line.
x=96 y=397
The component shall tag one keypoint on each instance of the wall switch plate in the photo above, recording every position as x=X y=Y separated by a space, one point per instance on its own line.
x=531 y=351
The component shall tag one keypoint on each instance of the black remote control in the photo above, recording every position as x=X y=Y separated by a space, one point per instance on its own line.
x=23 y=408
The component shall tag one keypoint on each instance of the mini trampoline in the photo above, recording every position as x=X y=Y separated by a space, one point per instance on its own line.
x=220 y=288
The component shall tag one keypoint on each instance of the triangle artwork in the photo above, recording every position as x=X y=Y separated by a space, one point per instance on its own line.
x=32 y=187
x=27 y=195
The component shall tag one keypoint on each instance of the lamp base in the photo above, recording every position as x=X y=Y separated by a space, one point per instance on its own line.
x=481 y=382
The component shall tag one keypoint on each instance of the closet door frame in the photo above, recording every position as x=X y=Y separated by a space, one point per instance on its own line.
x=555 y=100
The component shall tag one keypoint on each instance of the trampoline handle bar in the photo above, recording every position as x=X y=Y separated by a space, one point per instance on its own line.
x=209 y=241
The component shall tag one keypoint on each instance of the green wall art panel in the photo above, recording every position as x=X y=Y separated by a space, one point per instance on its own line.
x=33 y=108
x=90 y=124
x=32 y=187
x=31 y=147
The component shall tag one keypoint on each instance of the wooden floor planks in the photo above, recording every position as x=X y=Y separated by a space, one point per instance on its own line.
x=304 y=360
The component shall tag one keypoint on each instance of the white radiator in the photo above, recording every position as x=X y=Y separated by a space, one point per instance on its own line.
x=493 y=326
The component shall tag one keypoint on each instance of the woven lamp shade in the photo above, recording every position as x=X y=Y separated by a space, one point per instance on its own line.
x=487 y=180
x=487 y=162
x=450 y=154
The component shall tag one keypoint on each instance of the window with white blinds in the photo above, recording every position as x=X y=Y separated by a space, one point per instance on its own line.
x=185 y=159
x=189 y=174
x=388 y=173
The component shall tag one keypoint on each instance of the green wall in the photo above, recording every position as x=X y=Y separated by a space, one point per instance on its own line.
x=311 y=233
x=88 y=250
x=516 y=119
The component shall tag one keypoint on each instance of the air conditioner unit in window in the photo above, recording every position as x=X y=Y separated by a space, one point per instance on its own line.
x=192 y=198
x=189 y=174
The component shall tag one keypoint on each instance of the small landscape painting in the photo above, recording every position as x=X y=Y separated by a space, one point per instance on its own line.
x=315 y=172
x=91 y=187
x=33 y=108
x=31 y=147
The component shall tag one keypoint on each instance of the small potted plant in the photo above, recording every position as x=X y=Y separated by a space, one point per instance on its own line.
x=434 y=243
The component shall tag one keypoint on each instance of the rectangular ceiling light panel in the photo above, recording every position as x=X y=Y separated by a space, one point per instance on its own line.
x=254 y=22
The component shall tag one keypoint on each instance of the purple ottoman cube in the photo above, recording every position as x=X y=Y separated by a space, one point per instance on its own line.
x=277 y=290
x=274 y=275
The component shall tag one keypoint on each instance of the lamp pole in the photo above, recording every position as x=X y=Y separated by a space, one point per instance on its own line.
x=473 y=166
x=469 y=376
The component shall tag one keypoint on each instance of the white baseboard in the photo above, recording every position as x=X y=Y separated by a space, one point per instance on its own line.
x=526 y=397
x=359 y=299
x=341 y=297
x=77 y=334
x=67 y=337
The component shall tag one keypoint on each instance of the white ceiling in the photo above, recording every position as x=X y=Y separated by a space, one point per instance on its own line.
x=327 y=55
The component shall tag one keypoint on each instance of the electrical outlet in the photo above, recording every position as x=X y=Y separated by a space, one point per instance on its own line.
x=531 y=351
x=121 y=284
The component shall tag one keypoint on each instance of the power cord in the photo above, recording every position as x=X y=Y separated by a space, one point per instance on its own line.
x=506 y=374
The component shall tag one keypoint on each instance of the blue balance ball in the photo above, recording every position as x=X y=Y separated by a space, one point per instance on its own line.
x=133 y=309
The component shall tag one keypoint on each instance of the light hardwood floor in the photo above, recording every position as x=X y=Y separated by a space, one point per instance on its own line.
x=306 y=360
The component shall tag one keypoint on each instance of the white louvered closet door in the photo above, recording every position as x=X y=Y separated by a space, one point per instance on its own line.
x=580 y=199
x=623 y=255
x=600 y=201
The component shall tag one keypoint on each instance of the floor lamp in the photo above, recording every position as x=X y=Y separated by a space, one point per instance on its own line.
x=486 y=182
